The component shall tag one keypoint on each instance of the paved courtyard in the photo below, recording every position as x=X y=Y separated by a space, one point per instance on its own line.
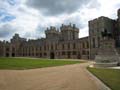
x=69 y=77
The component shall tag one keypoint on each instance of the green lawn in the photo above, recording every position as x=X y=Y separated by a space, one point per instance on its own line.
x=25 y=63
x=110 y=77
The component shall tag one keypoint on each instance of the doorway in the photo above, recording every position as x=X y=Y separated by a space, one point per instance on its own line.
x=52 y=56
x=7 y=55
x=13 y=54
x=79 y=56
x=69 y=55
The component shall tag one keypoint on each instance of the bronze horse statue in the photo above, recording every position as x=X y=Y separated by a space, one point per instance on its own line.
x=107 y=34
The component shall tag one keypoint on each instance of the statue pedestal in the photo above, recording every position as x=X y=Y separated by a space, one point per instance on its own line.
x=107 y=55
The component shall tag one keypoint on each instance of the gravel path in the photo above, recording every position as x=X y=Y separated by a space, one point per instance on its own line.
x=69 y=77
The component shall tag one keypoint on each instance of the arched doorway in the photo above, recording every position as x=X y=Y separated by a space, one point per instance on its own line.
x=79 y=56
x=13 y=54
x=69 y=54
x=7 y=55
x=52 y=56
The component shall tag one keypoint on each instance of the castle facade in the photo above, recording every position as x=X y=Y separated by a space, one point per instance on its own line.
x=57 y=44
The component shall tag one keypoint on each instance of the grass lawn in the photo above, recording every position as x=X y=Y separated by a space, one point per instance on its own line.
x=25 y=63
x=110 y=77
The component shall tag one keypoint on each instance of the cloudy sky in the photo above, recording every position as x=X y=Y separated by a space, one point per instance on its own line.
x=30 y=18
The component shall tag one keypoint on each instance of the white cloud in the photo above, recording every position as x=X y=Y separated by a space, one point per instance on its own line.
x=30 y=20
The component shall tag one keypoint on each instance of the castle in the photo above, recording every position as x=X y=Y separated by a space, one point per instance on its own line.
x=64 y=43
x=57 y=44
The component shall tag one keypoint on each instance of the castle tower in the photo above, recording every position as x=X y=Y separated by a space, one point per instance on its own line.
x=52 y=33
x=69 y=32
x=97 y=26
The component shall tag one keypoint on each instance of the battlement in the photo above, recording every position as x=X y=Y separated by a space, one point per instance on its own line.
x=100 y=19
x=69 y=27
x=52 y=30
x=17 y=38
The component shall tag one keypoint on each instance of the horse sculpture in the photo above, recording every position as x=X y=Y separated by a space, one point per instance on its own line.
x=106 y=34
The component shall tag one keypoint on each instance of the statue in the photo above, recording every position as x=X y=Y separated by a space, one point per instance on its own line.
x=106 y=35
x=107 y=55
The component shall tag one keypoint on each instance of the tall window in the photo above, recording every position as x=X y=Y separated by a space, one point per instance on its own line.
x=63 y=53
x=40 y=48
x=51 y=47
x=47 y=47
x=98 y=41
x=93 y=42
x=87 y=44
x=63 y=46
x=13 y=49
x=83 y=45
x=56 y=46
x=74 y=52
x=74 y=46
x=68 y=45
x=44 y=47
x=7 y=49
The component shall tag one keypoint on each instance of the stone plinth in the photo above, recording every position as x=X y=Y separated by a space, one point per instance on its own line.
x=107 y=55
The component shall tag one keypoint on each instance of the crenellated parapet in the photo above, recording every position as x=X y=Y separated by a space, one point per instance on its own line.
x=52 y=33
x=51 y=30
x=69 y=28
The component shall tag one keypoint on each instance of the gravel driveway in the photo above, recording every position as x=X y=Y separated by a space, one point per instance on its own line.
x=68 y=77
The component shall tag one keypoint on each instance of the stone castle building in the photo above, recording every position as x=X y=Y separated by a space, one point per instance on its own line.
x=57 y=44
x=102 y=24
x=64 y=43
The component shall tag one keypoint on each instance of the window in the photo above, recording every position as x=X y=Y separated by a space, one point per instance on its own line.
x=44 y=47
x=56 y=46
x=45 y=54
x=74 y=53
x=83 y=45
x=7 y=49
x=74 y=46
x=93 y=42
x=40 y=54
x=98 y=41
x=63 y=53
x=63 y=46
x=32 y=54
x=36 y=48
x=87 y=44
x=68 y=45
x=87 y=52
x=48 y=47
x=83 y=52
x=40 y=48
x=36 y=54
x=51 y=47
x=68 y=52
x=13 y=49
